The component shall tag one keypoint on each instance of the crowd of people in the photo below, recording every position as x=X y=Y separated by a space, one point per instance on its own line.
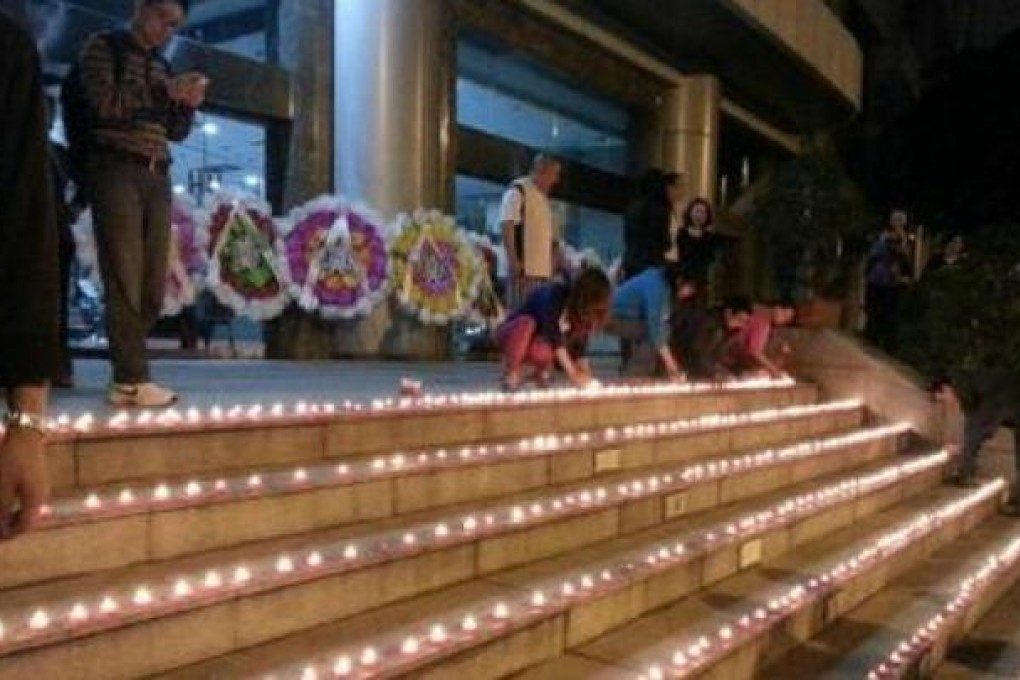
x=658 y=308
x=122 y=105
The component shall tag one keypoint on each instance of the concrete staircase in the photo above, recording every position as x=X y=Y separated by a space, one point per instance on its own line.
x=648 y=531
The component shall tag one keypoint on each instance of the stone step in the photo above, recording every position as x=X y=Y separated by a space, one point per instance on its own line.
x=506 y=621
x=84 y=453
x=132 y=525
x=474 y=541
x=738 y=627
x=992 y=648
x=904 y=630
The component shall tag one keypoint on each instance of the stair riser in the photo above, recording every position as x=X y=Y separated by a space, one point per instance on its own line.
x=750 y=660
x=587 y=621
x=135 y=539
x=95 y=460
x=241 y=623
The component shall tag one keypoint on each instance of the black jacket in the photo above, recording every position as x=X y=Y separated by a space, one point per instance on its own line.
x=646 y=235
x=991 y=395
x=29 y=268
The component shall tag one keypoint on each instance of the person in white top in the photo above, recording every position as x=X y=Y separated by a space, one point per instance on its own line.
x=529 y=234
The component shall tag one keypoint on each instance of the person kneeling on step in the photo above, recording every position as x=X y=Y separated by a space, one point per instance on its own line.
x=640 y=318
x=553 y=327
x=989 y=400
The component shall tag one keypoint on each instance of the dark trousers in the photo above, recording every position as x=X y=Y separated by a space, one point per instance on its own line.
x=882 y=309
x=638 y=359
x=65 y=368
x=131 y=214
x=978 y=427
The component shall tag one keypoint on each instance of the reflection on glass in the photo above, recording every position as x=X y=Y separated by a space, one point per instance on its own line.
x=220 y=154
x=507 y=95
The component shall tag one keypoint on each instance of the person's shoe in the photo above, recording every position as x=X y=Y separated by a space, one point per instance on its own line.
x=963 y=480
x=542 y=379
x=142 y=395
x=510 y=383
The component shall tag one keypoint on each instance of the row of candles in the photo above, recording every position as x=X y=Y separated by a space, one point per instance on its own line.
x=696 y=653
x=902 y=661
x=167 y=496
x=427 y=641
x=67 y=425
x=141 y=601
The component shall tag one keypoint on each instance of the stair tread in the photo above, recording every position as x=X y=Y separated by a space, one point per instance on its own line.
x=710 y=608
x=992 y=648
x=359 y=629
x=577 y=559
x=864 y=636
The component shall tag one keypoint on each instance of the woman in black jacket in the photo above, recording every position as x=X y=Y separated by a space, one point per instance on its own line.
x=647 y=222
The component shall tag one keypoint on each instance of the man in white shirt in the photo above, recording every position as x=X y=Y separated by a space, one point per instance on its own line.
x=529 y=234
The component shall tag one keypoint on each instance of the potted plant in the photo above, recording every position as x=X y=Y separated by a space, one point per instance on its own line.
x=812 y=220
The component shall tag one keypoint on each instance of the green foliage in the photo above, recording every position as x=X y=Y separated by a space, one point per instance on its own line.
x=813 y=219
x=967 y=316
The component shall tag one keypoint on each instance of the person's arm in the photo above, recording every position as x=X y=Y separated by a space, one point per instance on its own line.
x=179 y=120
x=24 y=481
x=756 y=345
x=183 y=99
x=572 y=369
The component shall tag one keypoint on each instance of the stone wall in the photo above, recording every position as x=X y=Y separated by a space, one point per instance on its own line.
x=845 y=367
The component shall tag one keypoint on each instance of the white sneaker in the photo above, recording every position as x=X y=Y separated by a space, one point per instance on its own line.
x=142 y=395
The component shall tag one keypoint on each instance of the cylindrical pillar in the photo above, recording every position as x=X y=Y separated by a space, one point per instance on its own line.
x=393 y=102
x=394 y=129
x=302 y=41
x=690 y=133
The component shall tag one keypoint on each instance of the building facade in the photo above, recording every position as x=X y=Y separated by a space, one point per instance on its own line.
x=438 y=103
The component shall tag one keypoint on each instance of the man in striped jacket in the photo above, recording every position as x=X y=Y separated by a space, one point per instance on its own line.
x=137 y=106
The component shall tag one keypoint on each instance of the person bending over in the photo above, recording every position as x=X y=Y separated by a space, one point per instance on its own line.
x=553 y=327
x=989 y=400
x=640 y=317
x=758 y=335
x=711 y=339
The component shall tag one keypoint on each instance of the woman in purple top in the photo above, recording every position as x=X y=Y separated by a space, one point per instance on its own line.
x=553 y=326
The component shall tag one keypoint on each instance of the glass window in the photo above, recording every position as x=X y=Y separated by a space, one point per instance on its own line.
x=220 y=153
x=237 y=26
x=506 y=95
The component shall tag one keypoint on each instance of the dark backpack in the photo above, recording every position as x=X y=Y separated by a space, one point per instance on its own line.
x=79 y=117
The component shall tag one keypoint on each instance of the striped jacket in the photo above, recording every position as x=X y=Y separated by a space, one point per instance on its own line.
x=133 y=113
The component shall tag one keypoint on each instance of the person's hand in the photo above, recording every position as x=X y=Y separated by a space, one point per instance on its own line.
x=677 y=376
x=24 y=481
x=188 y=89
x=581 y=379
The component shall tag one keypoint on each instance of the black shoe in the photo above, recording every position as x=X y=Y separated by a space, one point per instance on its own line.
x=964 y=481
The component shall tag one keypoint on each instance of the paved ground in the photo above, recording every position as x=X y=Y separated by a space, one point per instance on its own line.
x=207 y=382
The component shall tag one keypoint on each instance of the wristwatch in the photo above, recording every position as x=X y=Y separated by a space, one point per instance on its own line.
x=20 y=420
